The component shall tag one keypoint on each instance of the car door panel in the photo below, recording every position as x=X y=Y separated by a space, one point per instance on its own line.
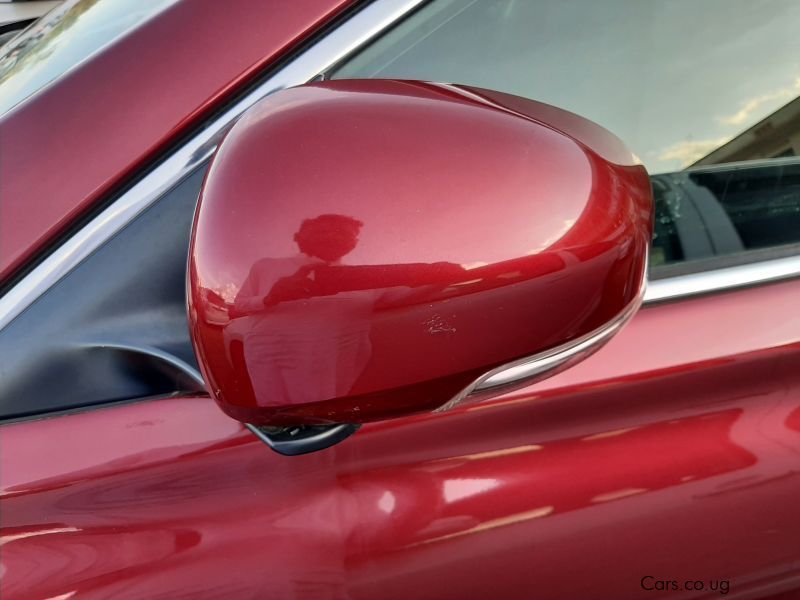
x=670 y=458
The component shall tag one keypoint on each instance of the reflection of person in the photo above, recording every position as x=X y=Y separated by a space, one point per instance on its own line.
x=296 y=353
x=323 y=240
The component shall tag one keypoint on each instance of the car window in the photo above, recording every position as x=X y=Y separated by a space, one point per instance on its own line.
x=705 y=93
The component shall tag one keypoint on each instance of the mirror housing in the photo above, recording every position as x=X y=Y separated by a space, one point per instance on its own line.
x=368 y=249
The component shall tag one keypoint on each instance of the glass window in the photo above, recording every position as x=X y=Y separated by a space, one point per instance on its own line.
x=689 y=85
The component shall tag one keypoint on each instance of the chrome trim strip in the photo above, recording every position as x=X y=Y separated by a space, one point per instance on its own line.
x=342 y=41
x=727 y=278
x=741 y=164
x=530 y=369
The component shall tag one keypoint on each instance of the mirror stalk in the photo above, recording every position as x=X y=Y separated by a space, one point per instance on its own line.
x=302 y=439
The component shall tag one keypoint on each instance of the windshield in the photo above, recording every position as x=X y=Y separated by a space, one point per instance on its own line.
x=62 y=39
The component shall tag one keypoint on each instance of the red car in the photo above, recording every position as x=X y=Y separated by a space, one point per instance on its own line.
x=336 y=299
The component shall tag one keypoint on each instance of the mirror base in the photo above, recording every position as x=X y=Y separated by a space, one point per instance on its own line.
x=302 y=439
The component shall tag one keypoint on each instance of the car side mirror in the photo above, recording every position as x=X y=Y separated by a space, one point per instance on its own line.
x=368 y=249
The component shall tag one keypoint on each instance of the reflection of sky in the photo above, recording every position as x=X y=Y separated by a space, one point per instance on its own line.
x=673 y=79
x=64 y=38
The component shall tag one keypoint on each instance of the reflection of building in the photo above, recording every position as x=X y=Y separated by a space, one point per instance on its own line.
x=777 y=135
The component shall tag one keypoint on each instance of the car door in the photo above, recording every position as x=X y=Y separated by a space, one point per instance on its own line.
x=664 y=464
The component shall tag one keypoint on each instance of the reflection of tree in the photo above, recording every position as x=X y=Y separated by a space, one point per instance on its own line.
x=776 y=136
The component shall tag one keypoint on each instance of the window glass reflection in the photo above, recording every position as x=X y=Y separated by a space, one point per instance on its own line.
x=707 y=212
x=688 y=85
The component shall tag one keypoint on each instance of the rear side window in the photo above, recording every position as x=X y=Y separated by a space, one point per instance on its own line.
x=730 y=209
x=705 y=92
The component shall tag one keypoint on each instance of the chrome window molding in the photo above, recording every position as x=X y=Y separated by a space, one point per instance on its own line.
x=342 y=41
x=727 y=278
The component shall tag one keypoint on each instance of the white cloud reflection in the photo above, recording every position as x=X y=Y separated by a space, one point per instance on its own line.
x=689 y=151
x=755 y=107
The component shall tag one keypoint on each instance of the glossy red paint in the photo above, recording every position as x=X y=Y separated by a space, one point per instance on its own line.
x=672 y=453
x=367 y=249
x=66 y=147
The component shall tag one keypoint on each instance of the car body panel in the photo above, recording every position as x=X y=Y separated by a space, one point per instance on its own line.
x=101 y=124
x=671 y=453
